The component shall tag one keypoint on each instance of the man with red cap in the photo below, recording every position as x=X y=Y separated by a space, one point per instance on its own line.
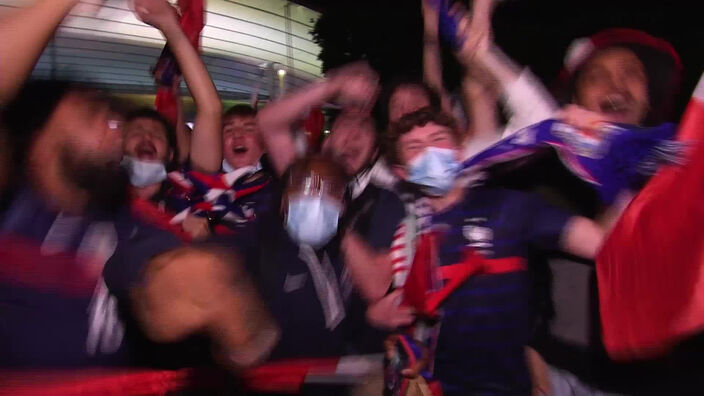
x=625 y=76
x=621 y=76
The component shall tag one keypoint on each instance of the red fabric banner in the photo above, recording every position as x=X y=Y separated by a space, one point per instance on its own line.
x=650 y=274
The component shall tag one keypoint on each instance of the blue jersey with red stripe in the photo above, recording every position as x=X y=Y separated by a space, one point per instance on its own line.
x=62 y=281
x=487 y=321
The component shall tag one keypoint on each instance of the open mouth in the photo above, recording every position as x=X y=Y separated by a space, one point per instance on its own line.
x=240 y=149
x=146 y=151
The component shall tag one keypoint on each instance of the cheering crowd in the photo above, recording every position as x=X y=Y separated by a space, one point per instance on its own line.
x=422 y=228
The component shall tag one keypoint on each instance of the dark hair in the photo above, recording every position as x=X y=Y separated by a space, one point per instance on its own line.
x=312 y=164
x=25 y=115
x=382 y=108
x=241 y=110
x=663 y=83
x=413 y=120
x=171 y=140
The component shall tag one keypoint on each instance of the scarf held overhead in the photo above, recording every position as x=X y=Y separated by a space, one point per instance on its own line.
x=612 y=158
x=166 y=71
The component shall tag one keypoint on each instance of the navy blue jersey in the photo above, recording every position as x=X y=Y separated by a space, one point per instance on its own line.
x=487 y=321
x=57 y=309
x=306 y=291
x=375 y=214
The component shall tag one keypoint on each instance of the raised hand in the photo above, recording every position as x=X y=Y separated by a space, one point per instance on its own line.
x=157 y=13
x=430 y=20
x=91 y=7
x=356 y=85
x=473 y=31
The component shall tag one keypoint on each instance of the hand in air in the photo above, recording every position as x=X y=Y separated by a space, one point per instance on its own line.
x=357 y=85
x=88 y=7
x=473 y=32
x=430 y=19
x=157 y=13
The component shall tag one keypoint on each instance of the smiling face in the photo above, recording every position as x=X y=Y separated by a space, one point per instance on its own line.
x=241 y=141
x=614 y=83
x=145 y=139
x=413 y=143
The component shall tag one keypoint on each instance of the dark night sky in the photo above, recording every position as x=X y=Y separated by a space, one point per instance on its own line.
x=535 y=33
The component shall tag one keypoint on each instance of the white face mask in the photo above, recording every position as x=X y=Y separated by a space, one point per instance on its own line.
x=312 y=220
x=227 y=168
x=144 y=173
x=434 y=170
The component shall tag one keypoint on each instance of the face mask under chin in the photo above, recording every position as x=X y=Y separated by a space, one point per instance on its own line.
x=144 y=173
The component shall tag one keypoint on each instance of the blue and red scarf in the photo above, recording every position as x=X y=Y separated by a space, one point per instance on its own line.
x=612 y=158
x=166 y=71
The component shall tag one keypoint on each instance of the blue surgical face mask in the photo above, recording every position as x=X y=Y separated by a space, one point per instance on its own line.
x=312 y=220
x=144 y=173
x=434 y=170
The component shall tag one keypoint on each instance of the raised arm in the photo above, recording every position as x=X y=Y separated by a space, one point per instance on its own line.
x=183 y=132
x=432 y=58
x=24 y=33
x=525 y=97
x=277 y=119
x=192 y=290
x=206 y=140
x=478 y=90
x=354 y=86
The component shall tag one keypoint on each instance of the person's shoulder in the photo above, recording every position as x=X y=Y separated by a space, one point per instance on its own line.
x=387 y=202
x=388 y=194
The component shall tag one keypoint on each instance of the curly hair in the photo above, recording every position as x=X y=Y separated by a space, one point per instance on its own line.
x=413 y=120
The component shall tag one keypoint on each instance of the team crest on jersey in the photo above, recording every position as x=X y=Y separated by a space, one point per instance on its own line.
x=477 y=236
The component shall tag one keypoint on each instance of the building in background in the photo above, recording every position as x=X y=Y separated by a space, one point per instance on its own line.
x=248 y=46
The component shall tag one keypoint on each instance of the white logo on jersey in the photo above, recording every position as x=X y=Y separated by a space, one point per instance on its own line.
x=479 y=238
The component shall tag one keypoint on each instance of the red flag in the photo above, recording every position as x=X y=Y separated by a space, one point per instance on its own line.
x=650 y=272
x=313 y=126
x=419 y=282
